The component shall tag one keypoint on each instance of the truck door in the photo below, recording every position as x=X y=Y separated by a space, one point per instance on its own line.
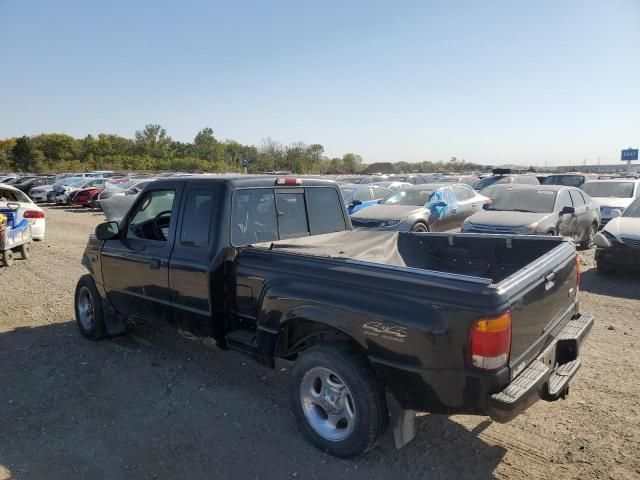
x=191 y=268
x=135 y=267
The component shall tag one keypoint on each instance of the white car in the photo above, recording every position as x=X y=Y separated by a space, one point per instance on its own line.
x=619 y=242
x=613 y=195
x=10 y=196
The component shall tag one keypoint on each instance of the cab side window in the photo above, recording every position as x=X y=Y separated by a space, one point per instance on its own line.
x=196 y=222
x=152 y=218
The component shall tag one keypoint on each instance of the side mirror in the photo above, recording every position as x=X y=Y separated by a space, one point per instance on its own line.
x=355 y=203
x=107 y=231
x=486 y=206
x=567 y=211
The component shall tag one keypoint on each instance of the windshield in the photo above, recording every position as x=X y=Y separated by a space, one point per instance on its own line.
x=567 y=180
x=346 y=192
x=633 y=210
x=609 y=189
x=525 y=200
x=485 y=182
x=417 y=197
x=493 y=191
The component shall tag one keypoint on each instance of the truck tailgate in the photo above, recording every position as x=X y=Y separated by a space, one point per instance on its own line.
x=543 y=298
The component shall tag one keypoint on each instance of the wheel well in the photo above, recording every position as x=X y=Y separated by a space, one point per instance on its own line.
x=299 y=334
x=421 y=222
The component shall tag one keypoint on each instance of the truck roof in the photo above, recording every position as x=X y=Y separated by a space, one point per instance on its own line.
x=244 y=181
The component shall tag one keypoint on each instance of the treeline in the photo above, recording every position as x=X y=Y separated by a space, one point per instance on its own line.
x=153 y=150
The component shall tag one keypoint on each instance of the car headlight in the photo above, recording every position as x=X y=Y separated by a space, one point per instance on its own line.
x=390 y=223
x=466 y=226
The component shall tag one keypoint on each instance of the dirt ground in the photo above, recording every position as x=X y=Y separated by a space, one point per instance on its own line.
x=155 y=405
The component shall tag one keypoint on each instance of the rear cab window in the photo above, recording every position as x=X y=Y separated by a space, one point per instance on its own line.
x=268 y=214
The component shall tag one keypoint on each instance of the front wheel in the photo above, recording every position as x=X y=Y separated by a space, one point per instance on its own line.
x=337 y=400
x=25 y=251
x=88 y=306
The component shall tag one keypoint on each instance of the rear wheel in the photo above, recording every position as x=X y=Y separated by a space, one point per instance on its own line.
x=8 y=258
x=25 y=251
x=337 y=400
x=588 y=242
x=88 y=306
x=420 y=228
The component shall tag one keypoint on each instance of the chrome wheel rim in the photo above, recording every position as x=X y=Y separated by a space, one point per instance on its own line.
x=85 y=308
x=327 y=404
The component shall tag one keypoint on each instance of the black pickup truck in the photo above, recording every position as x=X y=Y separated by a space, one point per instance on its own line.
x=380 y=324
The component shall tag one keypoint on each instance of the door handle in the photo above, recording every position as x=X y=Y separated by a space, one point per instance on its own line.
x=474 y=204
x=155 y=264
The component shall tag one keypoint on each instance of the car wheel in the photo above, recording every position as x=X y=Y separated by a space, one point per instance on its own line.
x=8 y=258
x=551 y=233
x=337 y=400
x=420 y=228
x=25 y=251
x=588 y=242
x=88 y=306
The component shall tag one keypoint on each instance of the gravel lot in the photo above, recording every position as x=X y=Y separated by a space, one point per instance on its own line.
x=154 y=405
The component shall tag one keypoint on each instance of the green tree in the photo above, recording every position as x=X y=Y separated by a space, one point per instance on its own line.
x=351 y=162
x=23 y=154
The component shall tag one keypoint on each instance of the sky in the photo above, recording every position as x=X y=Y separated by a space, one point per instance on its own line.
x=525 y=82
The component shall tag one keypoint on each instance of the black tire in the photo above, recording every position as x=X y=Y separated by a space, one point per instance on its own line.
x=8 y=258
x=365 y=393
x=96 y=329
x=420 y=227
x=550 y=233
x=25 y=251
x=588 y=242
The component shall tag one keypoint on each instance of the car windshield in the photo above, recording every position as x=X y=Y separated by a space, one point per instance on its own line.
x=75 y=181
x=493 y=191
x=485 y=182
x=525 y=200
x=566 y=180
x=633 y=210
x=609 y=189
x=346 y=192
x=418 y=197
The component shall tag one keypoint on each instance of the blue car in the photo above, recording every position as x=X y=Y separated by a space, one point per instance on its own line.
x=357 y=196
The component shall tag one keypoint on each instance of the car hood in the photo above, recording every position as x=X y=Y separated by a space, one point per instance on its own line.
x=506 y=219
x=387 y=212
x=613 y=202
x=116 y=207
x=624 y=227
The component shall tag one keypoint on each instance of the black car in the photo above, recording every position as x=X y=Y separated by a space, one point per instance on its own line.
x=379 y=324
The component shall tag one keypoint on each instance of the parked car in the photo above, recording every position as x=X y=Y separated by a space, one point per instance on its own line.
x=434 y=207
x=392 y=185
x=571 y=179
x=85 y=197
x=539 y=210
x=379 y=324
x=613 y=195
x=63 y=194
x=358 y=197
x=618 y=244
x=494 y=191
x=466 y=179
x=115 y=203
x=11 y=196
x=505 y=176
x=8 y=178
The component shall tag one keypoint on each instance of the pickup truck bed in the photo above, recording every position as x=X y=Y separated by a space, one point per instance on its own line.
x=362 y=275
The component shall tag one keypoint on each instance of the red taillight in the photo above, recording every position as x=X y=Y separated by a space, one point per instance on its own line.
x=33 y=214
x=490 y=342
x=288 y=181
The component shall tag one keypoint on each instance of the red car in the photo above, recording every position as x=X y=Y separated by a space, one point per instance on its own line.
x=85 y=196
